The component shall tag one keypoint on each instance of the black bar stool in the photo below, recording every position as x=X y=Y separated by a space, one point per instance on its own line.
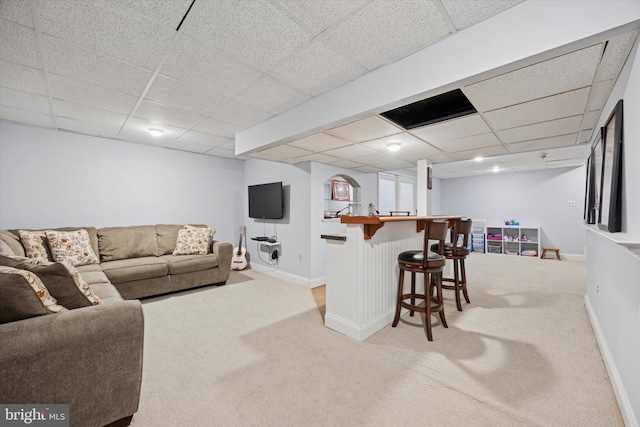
x=430 y=264
x=457 y=251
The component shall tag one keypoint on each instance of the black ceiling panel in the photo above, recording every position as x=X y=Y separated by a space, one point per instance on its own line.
x=438 y=108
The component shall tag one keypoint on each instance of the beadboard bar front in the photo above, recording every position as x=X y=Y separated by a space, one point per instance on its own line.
x=362 y=272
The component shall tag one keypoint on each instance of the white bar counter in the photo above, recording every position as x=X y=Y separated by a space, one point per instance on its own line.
x=362 y=272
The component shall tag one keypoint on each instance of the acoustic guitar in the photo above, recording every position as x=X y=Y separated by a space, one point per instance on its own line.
x=239 y=259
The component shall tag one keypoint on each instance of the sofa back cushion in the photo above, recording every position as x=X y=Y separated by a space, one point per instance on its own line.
x=127 y=242
x=13 y=242
x=168 y=235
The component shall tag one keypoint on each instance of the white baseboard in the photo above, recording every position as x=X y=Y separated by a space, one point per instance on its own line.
x=630 y=419
x=298 y=280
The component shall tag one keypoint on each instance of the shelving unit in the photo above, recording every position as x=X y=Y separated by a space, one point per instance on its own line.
x=478 y=236
x=513 y=240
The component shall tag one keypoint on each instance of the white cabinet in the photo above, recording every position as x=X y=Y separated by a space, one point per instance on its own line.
x=477 y=236
x=513 y=240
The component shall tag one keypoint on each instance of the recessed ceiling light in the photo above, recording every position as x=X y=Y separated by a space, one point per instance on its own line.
x=156 y=132
x=478 y=159
x=394 y=146
x=496 y=169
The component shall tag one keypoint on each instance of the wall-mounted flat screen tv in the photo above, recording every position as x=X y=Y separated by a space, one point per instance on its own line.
x=266 y=201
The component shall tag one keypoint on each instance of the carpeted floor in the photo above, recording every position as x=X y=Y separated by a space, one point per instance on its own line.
x=256 y=353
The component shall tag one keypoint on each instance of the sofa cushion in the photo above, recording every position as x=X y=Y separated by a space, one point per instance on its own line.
x=13 y=241
x=128 y=270
x=62 y=280
x=168 y=235
x=179 y=264
x=127 y=242
x=23 y=295
x=107 y=292
x=34 y=243
x=5 y=248
x=193 y=241
x=73 y=246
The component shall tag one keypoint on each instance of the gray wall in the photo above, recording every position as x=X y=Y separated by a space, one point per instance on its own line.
x=53 y=179
x=535 y=199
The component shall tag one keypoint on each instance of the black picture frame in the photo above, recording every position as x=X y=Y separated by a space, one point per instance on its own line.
x=596 y=170
x=610 y=216
x=589 y=217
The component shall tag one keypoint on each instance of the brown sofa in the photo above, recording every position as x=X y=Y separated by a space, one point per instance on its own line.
x=91 y=357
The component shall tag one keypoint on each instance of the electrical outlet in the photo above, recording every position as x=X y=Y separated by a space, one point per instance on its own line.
x=571 y=203
x=274 y=254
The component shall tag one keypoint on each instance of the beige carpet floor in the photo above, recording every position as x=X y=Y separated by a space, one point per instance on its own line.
x=256 y=353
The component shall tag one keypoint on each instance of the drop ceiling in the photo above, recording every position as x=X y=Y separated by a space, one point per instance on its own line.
x=117 y=68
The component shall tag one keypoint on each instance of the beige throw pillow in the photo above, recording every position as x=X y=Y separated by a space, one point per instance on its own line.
x=193 y=241
x=35 y=243
x=72 y=246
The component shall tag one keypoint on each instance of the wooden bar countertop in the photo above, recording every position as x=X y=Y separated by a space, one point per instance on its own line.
x=375 y=222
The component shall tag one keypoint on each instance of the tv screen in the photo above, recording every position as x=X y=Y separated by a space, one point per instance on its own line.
x=266 y=201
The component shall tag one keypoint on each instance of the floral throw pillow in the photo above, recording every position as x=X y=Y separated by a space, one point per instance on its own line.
x=34 y=243
x=193 y=241
x=72 y=246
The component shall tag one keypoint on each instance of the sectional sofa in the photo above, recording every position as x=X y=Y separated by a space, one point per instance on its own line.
x=90 y=356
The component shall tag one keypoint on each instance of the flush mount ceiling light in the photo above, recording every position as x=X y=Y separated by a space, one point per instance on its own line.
x=393 y=146
x=156 y=132
x=496 y=169
x=478 y=159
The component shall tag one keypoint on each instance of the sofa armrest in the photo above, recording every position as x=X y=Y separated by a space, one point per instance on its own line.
x=225 y=253
x=89 y=358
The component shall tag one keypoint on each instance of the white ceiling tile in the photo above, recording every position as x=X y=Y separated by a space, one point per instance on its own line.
x=421 y=25
x=137 y=130
x=543 y=143
x=218 y=127
x=199 y=65
x=347 y=164
x=18 y=44
x=317 y=69
x=27 y=117
x=81 y=64
x=18 y=11
x=281 y=152
x=394 y=164
x=21 y=77
x=166 y=13
x=615 y=55
x=541 y=130
x=251 y=31
x=350 y=152
x=237 y=112
x=200 y=138
x=193 y=147
x=91 y=95
x=319 y=15
x=24 y=100
x=319 y=142
x=168 y=91
x=460 y=127
x=367 y=169
x=106 y=29
x=496 y=150
x=424 y=151
x=561 y=74
x=465 y=13
x=376 y=159
x=541 y=110
x=363 y=130
x=89 y=115
x=468 y=143
x=315 y=157
x=404 y=139
x=159 y=113
x=104 y=130
x=231 y=145
x=269 y=94
x=599 y=93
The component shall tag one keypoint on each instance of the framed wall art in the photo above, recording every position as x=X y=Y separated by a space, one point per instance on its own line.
x=340 y=190
x=610 y=217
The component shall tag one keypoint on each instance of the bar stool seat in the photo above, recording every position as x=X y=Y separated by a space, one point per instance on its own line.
x=431 y=267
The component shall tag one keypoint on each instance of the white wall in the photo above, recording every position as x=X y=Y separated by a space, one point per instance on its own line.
x=535 y=199
x=53 y=179
x=613 y=280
